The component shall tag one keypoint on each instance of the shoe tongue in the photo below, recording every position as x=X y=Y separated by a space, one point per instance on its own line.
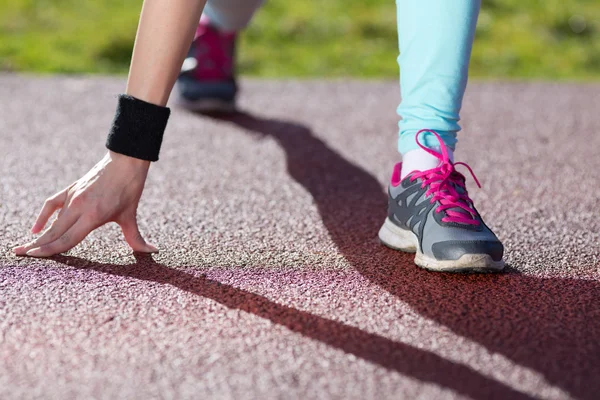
x=460 y=191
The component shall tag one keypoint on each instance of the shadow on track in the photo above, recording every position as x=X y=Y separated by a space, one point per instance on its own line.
x=392 y=355
x=551 y=326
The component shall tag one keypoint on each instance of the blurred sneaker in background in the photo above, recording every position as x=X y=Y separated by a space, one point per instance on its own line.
x=207 y=81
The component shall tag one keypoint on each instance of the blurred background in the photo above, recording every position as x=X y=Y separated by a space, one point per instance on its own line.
x=539 y=39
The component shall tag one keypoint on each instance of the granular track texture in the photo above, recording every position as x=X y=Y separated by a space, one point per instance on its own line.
x=270 y=282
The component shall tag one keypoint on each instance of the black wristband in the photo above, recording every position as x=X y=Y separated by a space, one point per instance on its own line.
x=138 y=128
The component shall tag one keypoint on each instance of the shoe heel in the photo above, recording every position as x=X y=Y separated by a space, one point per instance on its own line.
x=397 y=238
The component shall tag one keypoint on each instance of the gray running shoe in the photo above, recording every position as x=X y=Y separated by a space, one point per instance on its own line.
x=430 y=213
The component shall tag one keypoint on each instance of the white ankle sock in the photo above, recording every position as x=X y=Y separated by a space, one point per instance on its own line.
x=420 y=160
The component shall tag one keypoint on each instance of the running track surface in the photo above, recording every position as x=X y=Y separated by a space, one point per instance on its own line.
x=270 y=282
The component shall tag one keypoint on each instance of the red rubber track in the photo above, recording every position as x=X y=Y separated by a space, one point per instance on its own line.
x=270 y=282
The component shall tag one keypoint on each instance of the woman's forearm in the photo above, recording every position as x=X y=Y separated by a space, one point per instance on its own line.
x=164 y=35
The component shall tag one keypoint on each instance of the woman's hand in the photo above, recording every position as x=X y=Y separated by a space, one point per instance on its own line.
x=112 y=189
x=109 y=192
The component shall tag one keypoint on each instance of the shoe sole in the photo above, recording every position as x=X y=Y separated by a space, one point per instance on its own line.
x=207 y=105
x=403 y=240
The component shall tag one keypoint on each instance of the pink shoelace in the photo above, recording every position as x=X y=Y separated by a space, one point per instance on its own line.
x=443 y=181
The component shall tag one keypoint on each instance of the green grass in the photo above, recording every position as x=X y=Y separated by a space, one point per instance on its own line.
x=542 y=39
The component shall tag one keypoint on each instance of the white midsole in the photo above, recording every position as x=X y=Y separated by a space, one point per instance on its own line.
x=405 y=240
x=397 y=238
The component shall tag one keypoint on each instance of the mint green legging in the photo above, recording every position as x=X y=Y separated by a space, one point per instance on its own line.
x=435 y=38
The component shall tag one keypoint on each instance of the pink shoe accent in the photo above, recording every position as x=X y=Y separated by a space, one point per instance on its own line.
x=214 y=52
x=442 y=180
x=396 y=174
